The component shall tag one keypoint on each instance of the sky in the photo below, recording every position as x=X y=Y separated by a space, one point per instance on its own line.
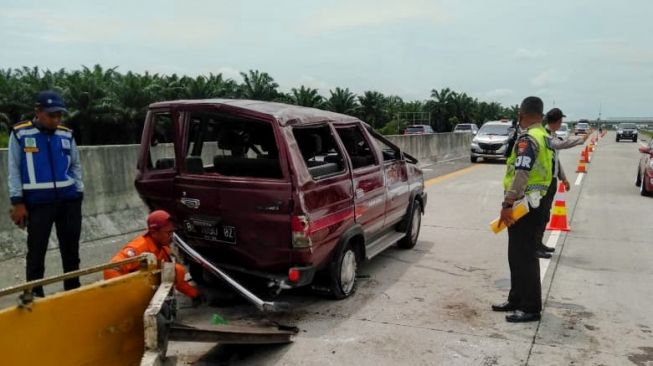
x=582 y=56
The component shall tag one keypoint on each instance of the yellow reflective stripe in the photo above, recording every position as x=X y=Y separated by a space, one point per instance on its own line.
x=559 y=211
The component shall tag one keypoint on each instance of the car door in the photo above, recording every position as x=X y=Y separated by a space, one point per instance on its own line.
x=157 y=162
x=396 y=181
x=367 y=178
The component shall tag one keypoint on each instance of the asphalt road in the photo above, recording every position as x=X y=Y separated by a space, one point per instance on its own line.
x=431 y=305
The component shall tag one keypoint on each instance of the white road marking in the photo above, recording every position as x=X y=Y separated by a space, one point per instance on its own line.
x=427 y=170
x=544 y=263
x=579 y=179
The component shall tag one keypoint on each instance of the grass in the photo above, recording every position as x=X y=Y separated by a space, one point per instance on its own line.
x=4 y=139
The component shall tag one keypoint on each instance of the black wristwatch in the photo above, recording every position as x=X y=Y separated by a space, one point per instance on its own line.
x=506 y=205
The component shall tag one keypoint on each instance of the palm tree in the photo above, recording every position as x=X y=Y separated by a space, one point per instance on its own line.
x=373 y=108
x=342 y=101
x=307 y=97
x=441 y=107
x=258 y=85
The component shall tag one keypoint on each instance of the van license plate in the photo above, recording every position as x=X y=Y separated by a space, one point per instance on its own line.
x=215 y=232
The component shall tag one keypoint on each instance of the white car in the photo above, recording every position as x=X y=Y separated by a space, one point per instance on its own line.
x=563 y=132
x=491 y=141
x=466 y=128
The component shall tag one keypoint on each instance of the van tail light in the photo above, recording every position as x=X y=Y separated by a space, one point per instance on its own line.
x=293 y=275
x=300 y=227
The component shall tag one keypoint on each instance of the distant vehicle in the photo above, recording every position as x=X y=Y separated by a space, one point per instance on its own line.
x=582 y=127
x=418 y=130
x=491 y=141
x=466 y=128
x=645 y=170
x=563 y=132
x=627 y=131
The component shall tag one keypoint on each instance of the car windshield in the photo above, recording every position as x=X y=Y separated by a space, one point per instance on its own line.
x=563 y=128
x=463 y=127
x=416 y=129
x=502 y=130
x=582 y=125
x=627 y=125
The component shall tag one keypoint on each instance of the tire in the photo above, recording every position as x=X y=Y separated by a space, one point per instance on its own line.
x=617 y=139
x=343 y=272
x=638 y=180
x=473 y=159
x=413 y=227
x=634 y=139
x=642 y=188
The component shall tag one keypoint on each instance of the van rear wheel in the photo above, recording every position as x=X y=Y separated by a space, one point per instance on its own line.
x=413 y=227
x=343 y=272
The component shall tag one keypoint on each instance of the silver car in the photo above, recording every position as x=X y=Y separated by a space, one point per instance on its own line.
x=491 y=141
x=563 y=132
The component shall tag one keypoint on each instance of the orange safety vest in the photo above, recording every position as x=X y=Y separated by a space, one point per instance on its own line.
x=145 y=244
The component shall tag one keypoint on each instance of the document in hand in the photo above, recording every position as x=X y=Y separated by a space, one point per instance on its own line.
x=519 y=209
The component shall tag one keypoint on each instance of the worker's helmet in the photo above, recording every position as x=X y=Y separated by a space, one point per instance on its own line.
x=159 y=219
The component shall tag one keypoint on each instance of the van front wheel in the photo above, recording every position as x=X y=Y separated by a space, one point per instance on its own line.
x=344 y=269
x=413 y=227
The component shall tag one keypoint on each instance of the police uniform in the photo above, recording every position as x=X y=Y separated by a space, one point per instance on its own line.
x=45 y=175
x=528 y=175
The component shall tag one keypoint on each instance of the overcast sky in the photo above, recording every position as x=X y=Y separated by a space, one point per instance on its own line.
x=578 y=54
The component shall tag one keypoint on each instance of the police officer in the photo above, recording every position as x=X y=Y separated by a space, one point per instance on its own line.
x=528 y=176
x=553 y=122
x=45 y=186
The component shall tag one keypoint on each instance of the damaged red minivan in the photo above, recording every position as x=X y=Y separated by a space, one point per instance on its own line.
x=286 y=193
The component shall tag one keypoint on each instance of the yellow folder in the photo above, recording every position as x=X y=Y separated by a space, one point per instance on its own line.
x=519 y=209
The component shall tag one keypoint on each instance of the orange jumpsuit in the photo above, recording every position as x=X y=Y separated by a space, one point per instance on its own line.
x=145 y=244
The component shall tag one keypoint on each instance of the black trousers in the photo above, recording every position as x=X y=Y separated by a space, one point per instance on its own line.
x=525 y=287
x=67 y=219
x=545 y=205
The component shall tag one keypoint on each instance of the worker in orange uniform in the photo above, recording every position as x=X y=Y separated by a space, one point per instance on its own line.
x=157 y=241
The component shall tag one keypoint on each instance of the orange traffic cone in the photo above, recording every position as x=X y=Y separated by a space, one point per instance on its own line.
x=591 y=147
x=584 y=156
x=558 y=219
x=581 y=167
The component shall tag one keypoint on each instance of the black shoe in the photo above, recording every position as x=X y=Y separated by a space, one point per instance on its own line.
x=542 y=254
x=547 y=249
x=522 y=317
x=506 y=306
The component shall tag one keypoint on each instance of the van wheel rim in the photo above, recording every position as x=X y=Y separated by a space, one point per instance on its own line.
x=414 y=231
x=348 y=271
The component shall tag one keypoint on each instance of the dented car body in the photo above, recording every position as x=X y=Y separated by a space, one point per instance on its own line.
x=291 y=194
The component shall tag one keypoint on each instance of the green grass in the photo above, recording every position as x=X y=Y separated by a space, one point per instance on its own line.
x=647 y=133
x=4 y=139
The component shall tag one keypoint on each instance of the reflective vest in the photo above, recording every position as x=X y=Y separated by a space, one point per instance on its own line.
x=542 y=171
x=45 y=164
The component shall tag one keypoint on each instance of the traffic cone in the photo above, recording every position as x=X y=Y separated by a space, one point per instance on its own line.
x=581 y=167
x=558 y=219
x=591 y=148
x=584 y=156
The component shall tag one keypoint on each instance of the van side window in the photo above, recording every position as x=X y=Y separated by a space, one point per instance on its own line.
x=357 y=147
x=162 y=150
x=390 y=153
x=319 y=150
x=230 y=146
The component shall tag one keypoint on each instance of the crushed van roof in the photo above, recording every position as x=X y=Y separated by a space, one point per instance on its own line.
x=285 y=114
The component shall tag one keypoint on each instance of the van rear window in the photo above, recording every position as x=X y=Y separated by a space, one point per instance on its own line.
x=220 y=144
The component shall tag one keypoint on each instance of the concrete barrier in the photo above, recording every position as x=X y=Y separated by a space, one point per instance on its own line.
x=112 y=206
x=435 y=147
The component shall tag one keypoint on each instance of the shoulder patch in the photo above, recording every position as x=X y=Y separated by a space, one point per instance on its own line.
x=64 y=128
x=22 y=125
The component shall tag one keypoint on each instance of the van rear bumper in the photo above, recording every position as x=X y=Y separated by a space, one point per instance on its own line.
x=282 y=281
